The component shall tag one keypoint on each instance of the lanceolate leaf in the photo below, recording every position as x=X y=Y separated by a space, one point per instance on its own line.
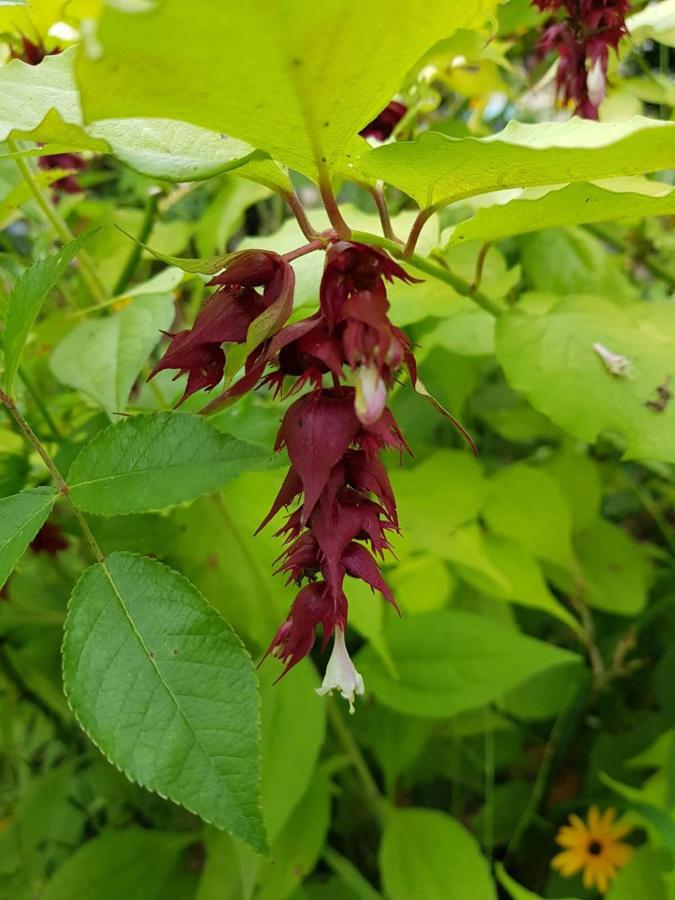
x=166 y=690
x=548 y=357
x=156 y=460
x=103 y=357
x=575 y=204
x=298 y=80
x=437 y=169
x=26 y=300
x=21 y=517
x=448 y=661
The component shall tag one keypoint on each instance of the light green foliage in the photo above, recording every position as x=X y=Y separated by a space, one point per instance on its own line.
x=438 y=169
x=447 y=662
x=103 y=357
x=425 y=853
x=304 y=75
x=572 y=204
x=166 y=690
x=547 y=357
x=153 y=461
x=21 y=517
x=133 y=863
x=25 y=301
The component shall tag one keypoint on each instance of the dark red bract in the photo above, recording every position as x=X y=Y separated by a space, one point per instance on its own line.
x=382 y=125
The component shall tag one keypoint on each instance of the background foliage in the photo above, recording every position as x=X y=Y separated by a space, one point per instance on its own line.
x=531 y=672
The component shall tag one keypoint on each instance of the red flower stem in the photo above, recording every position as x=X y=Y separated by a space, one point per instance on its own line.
x=318 y=244
x=416 y=230
x=329 y=201
x=298 y=210
x=381 y=204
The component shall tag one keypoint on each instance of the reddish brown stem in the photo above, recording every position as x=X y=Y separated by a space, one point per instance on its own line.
x=298 y=210
x=318 y=244
x=385 y=221
x=416 y=230
x=343 y=230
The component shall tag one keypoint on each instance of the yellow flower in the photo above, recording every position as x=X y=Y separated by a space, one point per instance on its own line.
x=595 y=847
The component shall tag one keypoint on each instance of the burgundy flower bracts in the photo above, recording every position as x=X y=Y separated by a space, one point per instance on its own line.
x=582 y=40
x=346 y=356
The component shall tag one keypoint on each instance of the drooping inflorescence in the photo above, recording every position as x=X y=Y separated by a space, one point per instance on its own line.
x=582 y=39
x=346 y=356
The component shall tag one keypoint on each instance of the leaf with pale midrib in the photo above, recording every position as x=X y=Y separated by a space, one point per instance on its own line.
x=166 y=690
x=21 y=517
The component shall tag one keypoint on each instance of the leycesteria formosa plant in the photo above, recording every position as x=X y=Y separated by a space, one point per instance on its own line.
x=342 y=360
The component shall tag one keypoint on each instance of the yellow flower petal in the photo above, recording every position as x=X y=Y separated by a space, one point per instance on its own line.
x=619 y=854
x=568 y=863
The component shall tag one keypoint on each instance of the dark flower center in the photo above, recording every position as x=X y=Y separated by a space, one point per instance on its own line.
x=595 y=848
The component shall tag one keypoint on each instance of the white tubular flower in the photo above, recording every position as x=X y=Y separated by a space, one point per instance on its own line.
x=596 y=83
x=614 y=362
x=371 y=395
x=341 y=672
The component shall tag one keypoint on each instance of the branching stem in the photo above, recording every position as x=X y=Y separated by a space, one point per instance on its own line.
x=298 y=210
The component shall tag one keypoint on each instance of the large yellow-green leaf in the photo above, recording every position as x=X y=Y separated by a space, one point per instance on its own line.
x=437 y=169
x=574 y=204
x=295 y=79
x=551 y=359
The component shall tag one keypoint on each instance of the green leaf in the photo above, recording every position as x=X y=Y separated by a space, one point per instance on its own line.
x=41 y=103
x=548 y=357
x=448 y=662
x=429 y=516
x=574 y=204
x=166 y=690
x=515 y=890
x=134 y=863
x=436 y=169
x=103 y=357
x=293 y=729
x=21 y=517
x=643 y=876
x=655 y=21
x=297 y=848
x=298 y=82
x=425 y=853
x=525 y=504
x=172 y=151
x=25 y=302
x=152 y=461
x=615 y=569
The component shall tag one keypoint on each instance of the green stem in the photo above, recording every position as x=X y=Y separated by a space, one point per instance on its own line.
x=441 y=273
x=622 y=246
x=351 y=748
x=489 y=819
x=560 y=735
x=37 y=399
x=87 y=269
x=149 y=216
x=51 y=467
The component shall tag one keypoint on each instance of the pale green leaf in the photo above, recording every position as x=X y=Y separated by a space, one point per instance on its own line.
x=574 y=204
x=166 y=690
x=616 y=570
x=448 y=662
x=526 y=505
x=655 y=21
x=429 y=515
x=25 y=302
x=293 y=727
x=437 y=169
x=297 y=81
x=547 y=357
x=156 y=460
x=21 y=517
x=425 y=853
x=643 y=876
x=103 y=357
x=134 y=864
x=169 y=150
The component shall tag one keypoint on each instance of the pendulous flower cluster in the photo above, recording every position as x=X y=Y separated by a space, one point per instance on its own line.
x=345 y=358
x=582 y=40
